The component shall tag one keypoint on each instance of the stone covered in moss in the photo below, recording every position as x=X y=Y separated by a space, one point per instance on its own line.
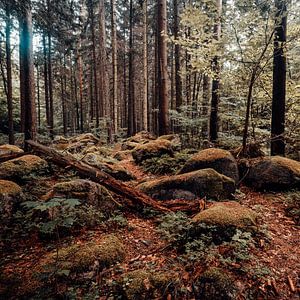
x=9 y=149
x=91 y=192
x=228 y=214
x=201 y=183
x=215 y=284
x=109 y=166
x=272 y=173
x=152 y=149
x=220 y=160
x=10 y=196
x=79 y=258
x=142 y=284
x=23 y=167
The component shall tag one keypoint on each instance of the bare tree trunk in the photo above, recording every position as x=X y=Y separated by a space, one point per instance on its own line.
x=279 y=80
x=46 y=87
x=80 y=89
x=114 y=66
x=38 y=95
x=9 y=77
x=26 y=56
x=50 y=85
x=145 y=59
x=215 y=96
x=22 y=80
x=163 y=68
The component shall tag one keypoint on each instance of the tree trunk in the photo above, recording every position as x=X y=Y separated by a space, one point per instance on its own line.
x=26 y=57
x=205 y=104
x=9 y=77
x=46 y=86
x=215 y=96
x=279 y=80
x=145 y=60
x=38 y=95
x=50 y=86
x=114 y=66
x=162 y=67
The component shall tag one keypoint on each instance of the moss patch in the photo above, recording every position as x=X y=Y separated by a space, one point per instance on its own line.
x=227 y=214
x=23 y=166
x=9 y=149
x=9 y=188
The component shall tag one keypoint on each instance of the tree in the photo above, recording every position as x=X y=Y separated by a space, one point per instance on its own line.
x=26 y=57
x=162 y=78
x=145 y=62
x=279 y=80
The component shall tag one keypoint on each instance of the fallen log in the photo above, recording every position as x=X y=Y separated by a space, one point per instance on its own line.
x=84 y=170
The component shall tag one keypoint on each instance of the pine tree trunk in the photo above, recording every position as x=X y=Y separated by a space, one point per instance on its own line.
x=279 y=81
x=9 y=77
x=38 y=95
x=162 y=68
x=46 y=86
x=26 y=57
x=215 y=96
x=50 y=86
x=145 y=59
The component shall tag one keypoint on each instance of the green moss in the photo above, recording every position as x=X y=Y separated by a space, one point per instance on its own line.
x=226 y=214
x=81 y=257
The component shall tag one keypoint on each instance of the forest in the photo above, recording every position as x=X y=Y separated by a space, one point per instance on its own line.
x=150 y=149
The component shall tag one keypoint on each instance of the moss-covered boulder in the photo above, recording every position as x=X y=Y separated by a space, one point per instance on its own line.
x=271 y=173
x=109 y=166
x=220 y=160
x=10 y=197
x=25 y=166
x=152 y=149
x=142 y=284
x=141 y=137
x=201 y=183
x=215 y=284
x=228 y=214
x=173 y=138
x=82 y=257
x=87 y=191
x=9 y=149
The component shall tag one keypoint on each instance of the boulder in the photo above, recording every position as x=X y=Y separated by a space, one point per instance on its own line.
x=152 y=149
x=82 y=257
x=220 y=160
x=10 y=197
x=22 y=167
x=227 y=215
x=9 y=149
x=174 y=139
x=90 y=192
x=272 y=173
x=215 y=284
x=141 y=137
x=109 y=166
x=201 y=183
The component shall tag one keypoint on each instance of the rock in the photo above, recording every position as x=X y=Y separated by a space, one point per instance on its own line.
x=85 y=138
x=141 y=137
x=228 y=214
x=272 y=173
x=82 y=257
x=109 y=166
x=90 y=192
x=121 y=155
x=129 y=145
x=220 y=160
x=152 y=149
x=25 y=166
x=10 y=197
x=215 y=284
x=201 y=183
x=174 y=139
x=103 y=151
x=142 y=284
x=9 y=149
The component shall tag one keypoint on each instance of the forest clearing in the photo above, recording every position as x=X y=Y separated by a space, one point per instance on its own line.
x=150 y=149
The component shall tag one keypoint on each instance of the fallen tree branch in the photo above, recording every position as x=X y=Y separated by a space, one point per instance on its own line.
x=137 y=197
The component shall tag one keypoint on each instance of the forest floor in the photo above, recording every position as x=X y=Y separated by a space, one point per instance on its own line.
x=272 y=267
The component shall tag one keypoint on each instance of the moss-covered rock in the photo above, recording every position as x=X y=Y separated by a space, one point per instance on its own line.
x=79 y=258
x=152 y=149
x=141 y=137
x=24 y=166
x=220 y=160
x=215 y=284
x=91 y=193
x=10 y=197
x=271 y=173
x=173 y=138
x=9 y=149
x=228 y=214
x=142 y=284
x=206 y=182
x=121 y=155
x=109 y=166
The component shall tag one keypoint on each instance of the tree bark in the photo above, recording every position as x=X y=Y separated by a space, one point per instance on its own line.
x=46 y=86
x=145 y=60
x=9 y=77
x=279 y=81
x=26 y=56
x=162 y=68
x=138 y=198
